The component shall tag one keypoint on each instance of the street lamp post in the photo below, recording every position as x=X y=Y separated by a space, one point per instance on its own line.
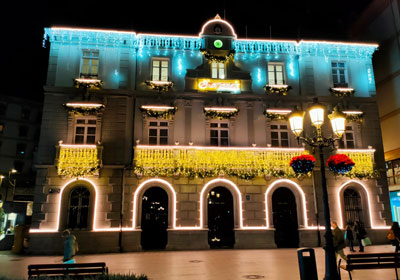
x=318 y=141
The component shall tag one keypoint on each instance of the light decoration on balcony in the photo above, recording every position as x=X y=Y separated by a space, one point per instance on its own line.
x=78 y=160
x=202 y=162
x=218 y=58
x=364 y=163
x=342 y=92
x=163 y=112
x=277 y=89
x=354 y=116
x=88 y=83
x=277 y=114
x=160 y=86
x=84 y=109
x=220 y=113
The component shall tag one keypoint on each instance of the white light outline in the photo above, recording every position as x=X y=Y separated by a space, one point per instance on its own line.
x=91 y=30
x=303 y=201
x=95 y=105
x=220 y=21
x=220 y=148
x=220 y=109
x=88 y=81
x=156 y=107
x=338 y=196
x=279 y=111
x=353 y=112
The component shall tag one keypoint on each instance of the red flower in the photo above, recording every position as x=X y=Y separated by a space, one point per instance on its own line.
x=302 y=157
x=339 y=159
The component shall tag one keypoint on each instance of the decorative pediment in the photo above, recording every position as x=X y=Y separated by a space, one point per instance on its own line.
x=84 y=108
x=342 y=91
x=277 y=114
x=158 y=112
x=220 y=113
x=277 y=89
x=160 y=86
x=354 y=116
x=87 y=83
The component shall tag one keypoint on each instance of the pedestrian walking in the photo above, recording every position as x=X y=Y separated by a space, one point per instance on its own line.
x=361 y=233
x=348 y=235
x=70 y=246
x=338 y=240
x=394 y=235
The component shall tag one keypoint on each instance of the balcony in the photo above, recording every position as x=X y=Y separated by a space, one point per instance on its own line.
x=197 y=161
x=78 y=160
x=364 y=163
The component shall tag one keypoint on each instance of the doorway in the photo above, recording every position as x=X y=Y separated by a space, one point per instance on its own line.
x=284 y=211
x=154 y=219
x=220 y=218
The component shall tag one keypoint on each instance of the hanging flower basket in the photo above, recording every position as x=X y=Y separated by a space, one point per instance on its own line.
x=340 y=164
x=302 y=164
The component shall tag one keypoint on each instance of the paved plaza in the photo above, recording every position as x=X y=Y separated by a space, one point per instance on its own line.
x=191 y=265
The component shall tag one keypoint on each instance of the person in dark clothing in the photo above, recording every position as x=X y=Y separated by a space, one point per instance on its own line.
x=350 y=237
x=395 y=230
x=338 y=240
x=360 y=234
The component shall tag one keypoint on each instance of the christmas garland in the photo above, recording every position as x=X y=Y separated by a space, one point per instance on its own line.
x=165 y=114
x=84 y=111
x=342 y=92
x=219 y=115
x=283 y=90
x=86 y=84
x=160 y=87
x=358 y=118
x=275 y=116
x=218 y=58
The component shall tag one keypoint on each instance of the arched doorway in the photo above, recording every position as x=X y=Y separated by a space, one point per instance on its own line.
x=78 y=208
x=154 y=221
x=352 y=206
x=284 y=213
x=220 y=218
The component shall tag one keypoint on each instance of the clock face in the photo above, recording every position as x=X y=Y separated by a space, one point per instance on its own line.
x=218 y=44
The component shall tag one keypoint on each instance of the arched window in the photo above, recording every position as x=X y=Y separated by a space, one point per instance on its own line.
x=78 y=208
x=352 y=206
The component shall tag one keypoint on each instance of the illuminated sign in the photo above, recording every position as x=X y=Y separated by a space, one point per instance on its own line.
x=219 y=85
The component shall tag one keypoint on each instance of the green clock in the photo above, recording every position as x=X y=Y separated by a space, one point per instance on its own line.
x=218 y=44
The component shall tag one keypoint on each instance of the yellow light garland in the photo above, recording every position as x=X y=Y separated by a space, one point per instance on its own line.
x=78 y=161
x=364 y=164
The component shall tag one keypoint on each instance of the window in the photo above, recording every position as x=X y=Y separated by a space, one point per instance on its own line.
x=160 y=70
x=339 y=74
x=279 y=135
x=85 y=131
x=23 y=131
x=348 y=141
x=1 y=128
x=158 y=133
x=217 y=70
x=25 y=113
x=21 y=149
x=219 y=134
x=78 y=210
x=3 y=108
x=276 y=75
x=90 y=63
x=352 y=206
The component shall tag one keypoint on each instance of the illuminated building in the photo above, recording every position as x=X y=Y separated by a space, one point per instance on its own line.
x=182 y=142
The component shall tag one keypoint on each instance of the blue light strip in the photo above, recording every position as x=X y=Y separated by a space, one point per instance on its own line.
x=153 y=41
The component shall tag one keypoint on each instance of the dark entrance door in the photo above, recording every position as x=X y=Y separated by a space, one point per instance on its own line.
x=285 y=218
x=154 y=219
x=220 y=218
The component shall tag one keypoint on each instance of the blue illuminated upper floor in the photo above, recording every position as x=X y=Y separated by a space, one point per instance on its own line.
x=213 y=61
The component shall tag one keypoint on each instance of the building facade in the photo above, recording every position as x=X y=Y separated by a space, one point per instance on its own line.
x=175 y=142
x=380 y=22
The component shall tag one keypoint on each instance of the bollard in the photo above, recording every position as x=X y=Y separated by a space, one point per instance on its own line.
x=307 y=264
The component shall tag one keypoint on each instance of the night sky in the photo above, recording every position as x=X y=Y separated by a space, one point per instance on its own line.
x=26 y=59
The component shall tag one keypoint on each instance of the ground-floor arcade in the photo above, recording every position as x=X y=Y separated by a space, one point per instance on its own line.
x=118 y=211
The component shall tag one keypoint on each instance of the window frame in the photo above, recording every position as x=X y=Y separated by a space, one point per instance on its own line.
x=219 y=129
x=218 y=69
x=91 y=58
x=339 y=83
x=79 y=208
x=274 y=64
x=158 y=128
x=280 y=130
x=86 y=125
x=344 y=141
x=160 y=72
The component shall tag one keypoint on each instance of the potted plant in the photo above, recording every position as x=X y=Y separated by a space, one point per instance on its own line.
x=340 y=164
x=302 y=164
